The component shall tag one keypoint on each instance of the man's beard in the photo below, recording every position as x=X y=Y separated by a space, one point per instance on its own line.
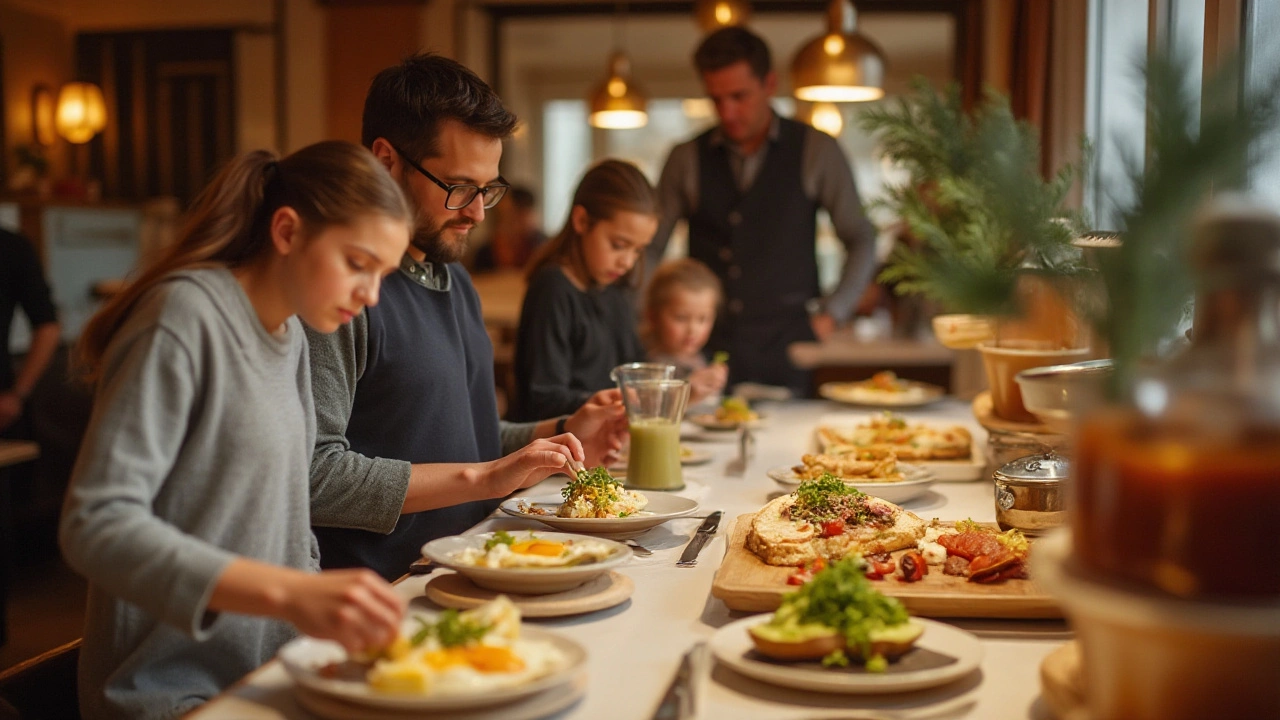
x=429 y=236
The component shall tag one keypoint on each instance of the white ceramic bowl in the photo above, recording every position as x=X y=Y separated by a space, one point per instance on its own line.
x=524 y=581
x=1057 y=394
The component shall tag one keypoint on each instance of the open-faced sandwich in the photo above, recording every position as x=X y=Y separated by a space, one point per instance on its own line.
x=824 y=518
x=838 y=617
x=861 y=465
x=892 y=433
x=467 y=652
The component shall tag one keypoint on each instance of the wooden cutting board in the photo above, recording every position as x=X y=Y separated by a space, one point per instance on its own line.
x=744 y=582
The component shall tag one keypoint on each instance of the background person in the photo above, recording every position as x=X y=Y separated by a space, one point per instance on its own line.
x=679 y=312
x=577 y=322
x=750 y=189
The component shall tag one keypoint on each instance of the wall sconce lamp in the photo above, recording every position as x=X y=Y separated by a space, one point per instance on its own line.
x=43 y=107
x=81 y=112
x=841 y=66
x=715 y=14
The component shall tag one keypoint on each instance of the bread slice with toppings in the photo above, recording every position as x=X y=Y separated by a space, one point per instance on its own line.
x=825 y=518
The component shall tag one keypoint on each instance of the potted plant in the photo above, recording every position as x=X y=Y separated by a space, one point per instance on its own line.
x=989 y=235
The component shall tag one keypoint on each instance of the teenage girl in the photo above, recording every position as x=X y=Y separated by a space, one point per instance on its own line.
x=188 y=509
x=680 y=309
x=578 y=318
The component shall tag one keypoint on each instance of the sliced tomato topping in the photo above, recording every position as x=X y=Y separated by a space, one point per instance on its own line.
x=831 y=528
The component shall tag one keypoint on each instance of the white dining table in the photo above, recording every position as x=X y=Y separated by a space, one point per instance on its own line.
x=635 y=648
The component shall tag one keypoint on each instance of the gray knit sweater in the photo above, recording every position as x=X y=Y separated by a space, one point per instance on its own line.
x=197 y=451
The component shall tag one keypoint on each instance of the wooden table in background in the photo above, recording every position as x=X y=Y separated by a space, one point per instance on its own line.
x=845 y=358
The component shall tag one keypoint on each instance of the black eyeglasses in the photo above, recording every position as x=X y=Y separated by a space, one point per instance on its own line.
x=460 y=196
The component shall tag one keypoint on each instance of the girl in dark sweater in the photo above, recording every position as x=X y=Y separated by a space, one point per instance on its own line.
x=578 y=318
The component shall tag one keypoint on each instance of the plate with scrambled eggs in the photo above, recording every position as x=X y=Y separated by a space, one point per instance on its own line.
x=527 y=563
x=446 y=661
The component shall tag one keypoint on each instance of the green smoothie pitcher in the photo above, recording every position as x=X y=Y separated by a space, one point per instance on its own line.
x=655 y=407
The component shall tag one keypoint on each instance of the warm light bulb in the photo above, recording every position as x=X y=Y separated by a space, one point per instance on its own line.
x=724 y=13
x=618 y=119
x=617 y=88
x=827 y=118
x=833 y=45
x=81 y=112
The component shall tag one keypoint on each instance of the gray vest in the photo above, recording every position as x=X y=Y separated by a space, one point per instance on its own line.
x=760 y=243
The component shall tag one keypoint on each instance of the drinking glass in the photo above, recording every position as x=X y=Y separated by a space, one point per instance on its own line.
x=655 y=408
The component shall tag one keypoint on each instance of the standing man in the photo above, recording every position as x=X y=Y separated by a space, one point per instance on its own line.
x=409 y=446
x=750 y=189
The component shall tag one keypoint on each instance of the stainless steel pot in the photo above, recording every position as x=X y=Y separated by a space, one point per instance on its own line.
x=1030 y=493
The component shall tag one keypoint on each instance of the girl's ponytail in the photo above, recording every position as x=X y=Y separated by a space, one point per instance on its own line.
x=329 y=183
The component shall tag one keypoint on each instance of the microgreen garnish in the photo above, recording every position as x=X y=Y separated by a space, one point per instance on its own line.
x=501 y=537
x=841 y=598
x=827 y=498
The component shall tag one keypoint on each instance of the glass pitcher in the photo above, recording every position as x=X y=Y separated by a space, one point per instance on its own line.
x=655 y=407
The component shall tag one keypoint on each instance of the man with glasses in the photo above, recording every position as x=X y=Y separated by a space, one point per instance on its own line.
x=750 y=189
x=409 y=446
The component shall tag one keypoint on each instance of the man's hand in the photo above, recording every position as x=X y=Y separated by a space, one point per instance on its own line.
x=601 y=425
x=527 y=466
x=10 y=408
x=823 y=325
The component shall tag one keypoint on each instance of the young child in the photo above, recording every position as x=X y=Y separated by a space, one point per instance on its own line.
x=188 y=509
x=578 y=318
x=680 y=309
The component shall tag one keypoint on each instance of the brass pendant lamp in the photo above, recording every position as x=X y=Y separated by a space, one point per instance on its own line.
x=841 y=66
x=618 y=103
x=715 y=14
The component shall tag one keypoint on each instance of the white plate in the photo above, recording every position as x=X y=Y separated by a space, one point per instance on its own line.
x=303 y=657
x=856 y=393
x=941 y=655
x=523 y=581
x=917 y=482
x=708 y=421
x=540 y=705
x=661 y=508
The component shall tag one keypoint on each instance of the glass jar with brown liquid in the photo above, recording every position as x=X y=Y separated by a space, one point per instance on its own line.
x=1179 y=492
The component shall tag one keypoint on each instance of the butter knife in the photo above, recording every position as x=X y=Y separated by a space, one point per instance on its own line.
x=680 y=703
x=706 y=531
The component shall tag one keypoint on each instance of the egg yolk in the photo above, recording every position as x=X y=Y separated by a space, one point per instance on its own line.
x=545 y=548
x=481 y=658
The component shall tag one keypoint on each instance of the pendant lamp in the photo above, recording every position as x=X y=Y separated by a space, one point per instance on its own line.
x=715 y=14
x=616 y=103
x=841 y=66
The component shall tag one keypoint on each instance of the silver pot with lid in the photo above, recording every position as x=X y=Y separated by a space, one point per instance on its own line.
x=1031 y=493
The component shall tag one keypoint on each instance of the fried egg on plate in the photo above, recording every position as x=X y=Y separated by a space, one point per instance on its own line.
x=534 y=552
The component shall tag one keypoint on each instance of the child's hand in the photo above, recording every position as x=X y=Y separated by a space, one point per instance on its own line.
x=707 y=382
x=354 y=607
x=601 y=425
